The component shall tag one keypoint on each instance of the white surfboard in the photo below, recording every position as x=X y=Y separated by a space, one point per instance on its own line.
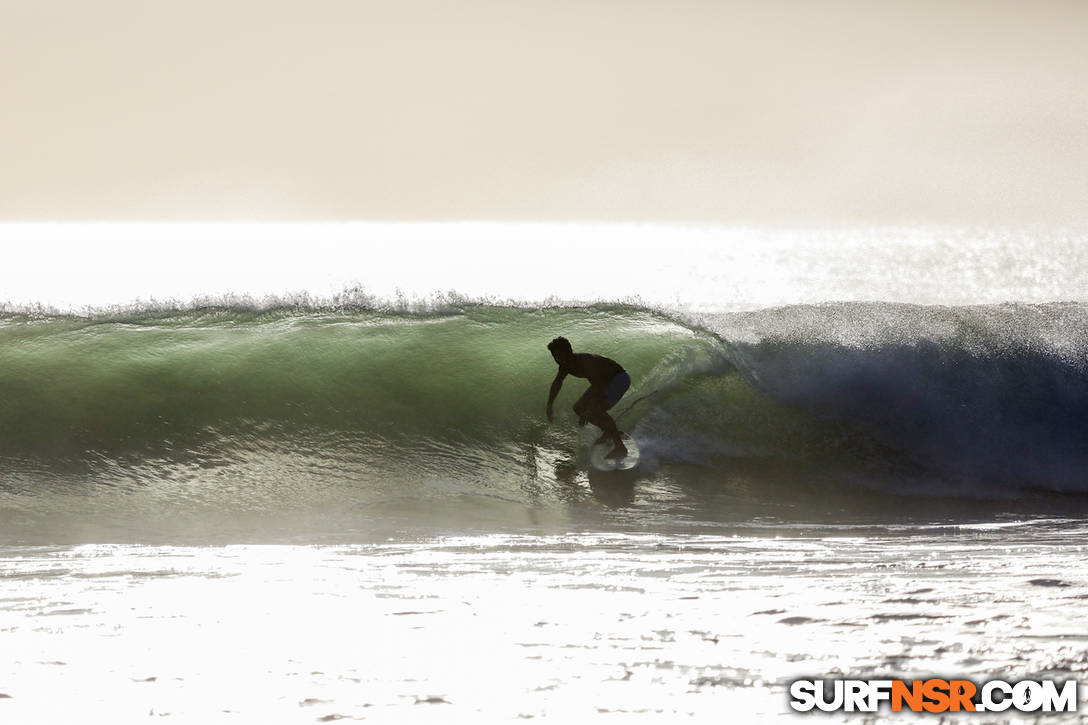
x=598 y=456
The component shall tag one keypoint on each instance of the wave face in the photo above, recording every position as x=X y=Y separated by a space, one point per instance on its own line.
x=236 y=404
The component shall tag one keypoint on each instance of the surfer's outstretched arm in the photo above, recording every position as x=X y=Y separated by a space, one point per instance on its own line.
x=556 y=385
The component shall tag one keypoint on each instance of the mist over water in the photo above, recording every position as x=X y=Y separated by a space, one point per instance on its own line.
x=714 y=112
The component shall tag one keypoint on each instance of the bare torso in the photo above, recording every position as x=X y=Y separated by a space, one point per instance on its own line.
x=599 y=370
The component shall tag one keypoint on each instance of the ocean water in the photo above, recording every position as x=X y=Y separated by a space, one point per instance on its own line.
x=272 y=473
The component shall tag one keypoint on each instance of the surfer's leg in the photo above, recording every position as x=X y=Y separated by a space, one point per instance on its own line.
x=598 y=417
x=610 y=396
x=603 y=420
x=618 y=450
x=582 y=405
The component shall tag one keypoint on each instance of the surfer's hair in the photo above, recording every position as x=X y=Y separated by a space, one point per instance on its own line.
x=561 y=345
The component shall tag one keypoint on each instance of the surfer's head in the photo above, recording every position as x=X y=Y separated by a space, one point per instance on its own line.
x=560 y=349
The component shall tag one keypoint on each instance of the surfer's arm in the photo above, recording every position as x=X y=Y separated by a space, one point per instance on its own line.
x=556 y=385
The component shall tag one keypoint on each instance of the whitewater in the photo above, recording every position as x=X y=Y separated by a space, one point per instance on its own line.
x=301 y=472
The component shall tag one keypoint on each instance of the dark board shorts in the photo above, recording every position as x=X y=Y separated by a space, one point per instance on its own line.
x=611 y=393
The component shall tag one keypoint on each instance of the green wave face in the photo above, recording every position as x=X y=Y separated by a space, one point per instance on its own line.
x=71 y=387
x=197 y=425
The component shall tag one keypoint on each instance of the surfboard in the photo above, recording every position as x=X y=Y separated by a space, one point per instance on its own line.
x=599 y=451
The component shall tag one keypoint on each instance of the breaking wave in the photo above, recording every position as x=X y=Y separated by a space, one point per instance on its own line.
x=978 y=401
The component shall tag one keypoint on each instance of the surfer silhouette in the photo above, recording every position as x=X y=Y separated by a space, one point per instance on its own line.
x=608 y=381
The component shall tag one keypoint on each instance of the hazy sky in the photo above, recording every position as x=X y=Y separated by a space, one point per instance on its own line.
x=693 y=111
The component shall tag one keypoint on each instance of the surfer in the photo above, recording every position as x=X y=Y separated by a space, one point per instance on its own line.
x=608 y=381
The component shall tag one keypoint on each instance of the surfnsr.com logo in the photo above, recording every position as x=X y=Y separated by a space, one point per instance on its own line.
x=933 y=695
